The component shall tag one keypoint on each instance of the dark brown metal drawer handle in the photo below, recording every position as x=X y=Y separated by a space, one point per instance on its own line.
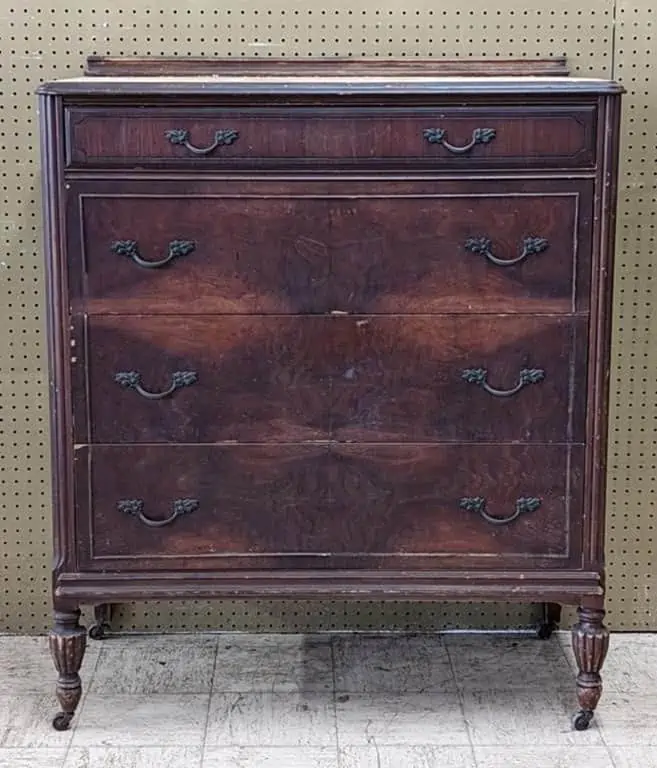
x=135 y=507
x=479 y=376
x=483 y=245
x=130 y=248
x=479 y=136
x=132 y=380
x=222 y=138
x=478 y=504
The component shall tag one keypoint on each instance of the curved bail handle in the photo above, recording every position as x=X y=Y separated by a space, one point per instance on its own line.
x=478 y=504
x=479 y=376
x=135 y=507
x=483 y=246
x=222 y=137
x=479 y=136
x=130 y=248
x=132 y=380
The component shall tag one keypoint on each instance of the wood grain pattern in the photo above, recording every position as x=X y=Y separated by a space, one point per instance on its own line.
x=401 y=378
x=108 y=66
x=410 y=255
x=325 y=442
x=328 y=502
x=259 y=379
x=296 y=379
x=315 y=253
x=539 y=136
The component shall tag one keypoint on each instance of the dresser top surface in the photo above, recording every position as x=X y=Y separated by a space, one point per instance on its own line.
x=166 y=75
x=341 y=84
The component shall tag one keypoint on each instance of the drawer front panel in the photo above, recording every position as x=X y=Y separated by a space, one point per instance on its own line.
x=416 y=254
x=200 y=379
x=480 y=378
x=241 y=255
x=233 y=506
x=239 y=378
x=547 y=136
x=457 y=253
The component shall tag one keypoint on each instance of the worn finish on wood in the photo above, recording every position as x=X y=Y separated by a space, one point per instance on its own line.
x=303 y=378
x=331 y=246
x=338 y=505
x=373 y=363
x=68 y=642
x=333 y=136
x=108 y=66
x=590 y=644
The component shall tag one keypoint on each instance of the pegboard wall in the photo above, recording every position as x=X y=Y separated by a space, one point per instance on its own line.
x=43 y=41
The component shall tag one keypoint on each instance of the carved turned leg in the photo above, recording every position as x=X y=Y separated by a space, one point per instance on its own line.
x=67 y=641
x=590 y=643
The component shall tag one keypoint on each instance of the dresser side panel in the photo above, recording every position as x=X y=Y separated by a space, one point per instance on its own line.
x=57 y=330
x=602 y=273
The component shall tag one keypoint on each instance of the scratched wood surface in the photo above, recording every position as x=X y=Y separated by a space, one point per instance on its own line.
x=348 y=378
x=528 y=136
x=290 y=247
x=331 y=505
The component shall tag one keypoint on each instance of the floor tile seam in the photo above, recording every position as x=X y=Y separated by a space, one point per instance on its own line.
x=37 y=750
x=461 y=699
x=334 y=697
x=609 y=752
x=207 y=712
x=138 y=746
x=551 y=688
x=270 y=749
x=543 y=745
x=575 y=748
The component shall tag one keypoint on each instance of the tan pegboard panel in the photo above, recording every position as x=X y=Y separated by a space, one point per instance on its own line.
x=319 y=616
x=39 y=42
x=633 y=423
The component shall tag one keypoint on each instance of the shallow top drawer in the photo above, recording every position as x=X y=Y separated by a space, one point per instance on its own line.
x=531 y=136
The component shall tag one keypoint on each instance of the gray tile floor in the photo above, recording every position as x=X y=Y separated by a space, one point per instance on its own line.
x=342 y=701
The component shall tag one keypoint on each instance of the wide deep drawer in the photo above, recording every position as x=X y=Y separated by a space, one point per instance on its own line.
x=327 y=505
x=458 y=137
x=203 y=379
x=514 y=247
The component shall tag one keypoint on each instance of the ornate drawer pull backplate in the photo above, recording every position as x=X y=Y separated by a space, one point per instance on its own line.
x=135 y=507
x=478 y=504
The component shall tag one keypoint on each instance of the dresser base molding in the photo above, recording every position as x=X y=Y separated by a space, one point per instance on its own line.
x=563 y=587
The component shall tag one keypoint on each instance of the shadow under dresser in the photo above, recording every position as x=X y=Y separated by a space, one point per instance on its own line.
x=334 y=329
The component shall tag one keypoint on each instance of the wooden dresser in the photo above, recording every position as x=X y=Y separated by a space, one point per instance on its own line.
x=329 y=330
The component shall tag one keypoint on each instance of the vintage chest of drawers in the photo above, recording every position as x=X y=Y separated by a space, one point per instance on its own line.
x=328 y=330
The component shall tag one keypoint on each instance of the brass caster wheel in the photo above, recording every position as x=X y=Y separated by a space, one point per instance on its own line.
x=582 y=719
x=61 y=721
